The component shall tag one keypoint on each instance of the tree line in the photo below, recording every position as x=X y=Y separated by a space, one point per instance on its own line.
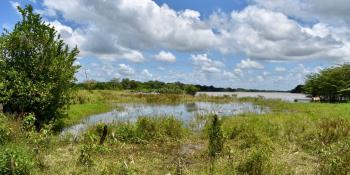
x=157 y=87
x=147 y=87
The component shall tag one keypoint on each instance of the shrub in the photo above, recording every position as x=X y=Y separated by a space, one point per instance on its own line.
x=14 y=161
x=28 y=123
x=216 y=139
x=36 y=69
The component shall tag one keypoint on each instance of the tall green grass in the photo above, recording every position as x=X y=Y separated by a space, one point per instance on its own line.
x=77 y=112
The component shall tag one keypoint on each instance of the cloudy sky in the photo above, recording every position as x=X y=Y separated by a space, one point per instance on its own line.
x=263 y=44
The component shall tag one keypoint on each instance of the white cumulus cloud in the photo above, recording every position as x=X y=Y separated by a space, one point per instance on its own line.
x=205 y=64
x=125 y=70
x=249 y=64
x=165 y=56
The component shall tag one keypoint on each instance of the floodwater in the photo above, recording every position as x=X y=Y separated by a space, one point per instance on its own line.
x=285 y=96
x=185 y=112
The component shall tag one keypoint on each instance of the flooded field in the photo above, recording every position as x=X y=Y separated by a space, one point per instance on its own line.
x=285 y=96
x=185 y=112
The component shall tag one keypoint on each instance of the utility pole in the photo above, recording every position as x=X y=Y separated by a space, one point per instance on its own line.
x=86 y=77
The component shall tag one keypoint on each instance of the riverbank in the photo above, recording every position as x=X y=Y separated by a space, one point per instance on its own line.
x=293 y=138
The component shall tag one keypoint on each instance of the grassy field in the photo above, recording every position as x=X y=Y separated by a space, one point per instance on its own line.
x=294 y=138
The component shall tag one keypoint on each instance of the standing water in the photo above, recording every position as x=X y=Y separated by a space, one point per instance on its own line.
x=185 y=112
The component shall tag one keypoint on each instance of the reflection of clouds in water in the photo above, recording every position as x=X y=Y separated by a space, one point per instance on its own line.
x=185 y=112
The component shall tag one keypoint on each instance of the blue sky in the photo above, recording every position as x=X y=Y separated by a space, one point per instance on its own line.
x=262 y=44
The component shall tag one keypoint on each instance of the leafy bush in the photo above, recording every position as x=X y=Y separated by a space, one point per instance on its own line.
x=14 y=161
x=36 y=69
x=28 y=123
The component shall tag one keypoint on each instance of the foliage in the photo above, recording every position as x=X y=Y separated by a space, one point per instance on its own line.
x=298 y=89
x=28 y=122
x=143 y=130
x=216 y=140
x=332 y=84
x=5 y=131
x=37 y=70
x=85 y=158
x=15 y=161
x=149 y=86
x=156 y=87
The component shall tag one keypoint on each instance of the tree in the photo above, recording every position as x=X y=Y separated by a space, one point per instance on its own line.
x=37 y=70
x=298 y=89
x=332 y=84
x=190 y=89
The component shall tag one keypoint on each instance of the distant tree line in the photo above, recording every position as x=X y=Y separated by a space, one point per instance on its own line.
x=331 y=84
x=157 y=87
x=147 y=87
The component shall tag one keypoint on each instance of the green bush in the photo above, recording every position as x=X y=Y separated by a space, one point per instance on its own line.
x=28 y=123
x=36 y=69
x=14 y=161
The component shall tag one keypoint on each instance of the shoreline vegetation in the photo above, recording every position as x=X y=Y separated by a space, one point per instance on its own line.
x=89 y=102
x=294 y=138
